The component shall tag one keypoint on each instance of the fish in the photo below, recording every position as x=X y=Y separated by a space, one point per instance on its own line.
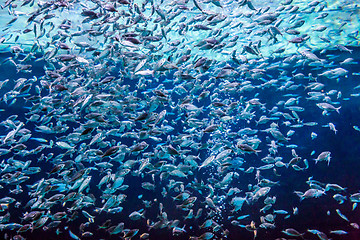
x=311 y=193
x=154 y=109
x=247 y=148
x=328 y=107
x=342 y=215
x=292 y=232
x=324 y=156
x=112 y=150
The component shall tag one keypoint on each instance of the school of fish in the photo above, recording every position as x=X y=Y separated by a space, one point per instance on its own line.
x=179 y=117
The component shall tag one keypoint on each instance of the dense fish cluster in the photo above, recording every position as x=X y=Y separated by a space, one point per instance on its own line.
x=176 y=119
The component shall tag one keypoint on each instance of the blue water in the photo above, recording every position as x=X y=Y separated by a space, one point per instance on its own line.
x=342 y=170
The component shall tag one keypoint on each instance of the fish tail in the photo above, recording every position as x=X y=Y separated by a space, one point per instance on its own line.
x=337 y=110
x=299 y=194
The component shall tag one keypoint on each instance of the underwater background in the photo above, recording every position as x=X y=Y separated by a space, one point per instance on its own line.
x=179 y=119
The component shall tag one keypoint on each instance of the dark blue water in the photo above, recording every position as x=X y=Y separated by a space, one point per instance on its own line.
x=343 y=168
